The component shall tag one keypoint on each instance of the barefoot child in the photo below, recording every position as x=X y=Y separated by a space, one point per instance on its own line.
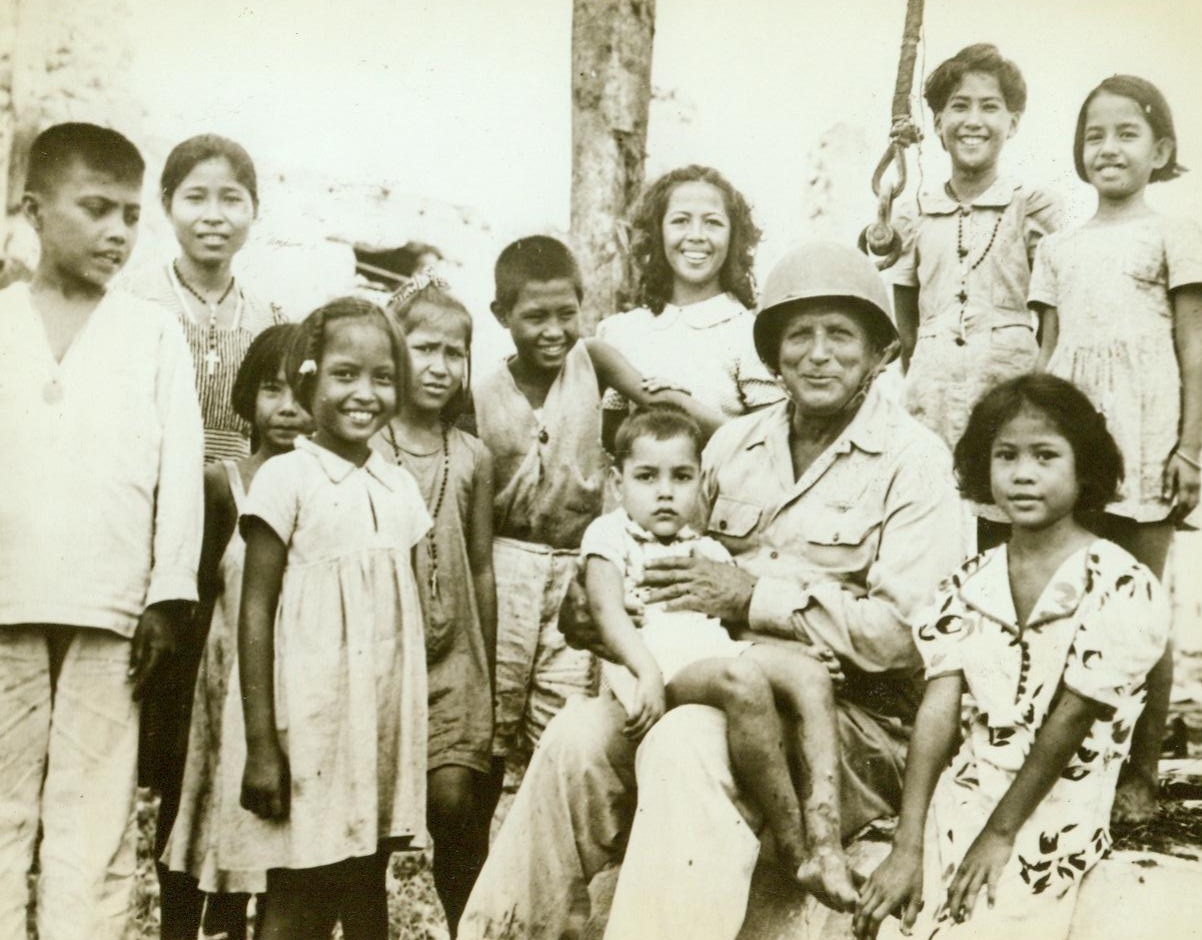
x=454 y=578
x=100 y=527
x=680 y=657
x=217 y=739
x=960 y=288
x=540 y=416
x=1121 y=297
x=330 y=650
x=1045 y=643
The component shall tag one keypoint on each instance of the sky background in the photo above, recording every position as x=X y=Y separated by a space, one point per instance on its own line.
x=467 y=101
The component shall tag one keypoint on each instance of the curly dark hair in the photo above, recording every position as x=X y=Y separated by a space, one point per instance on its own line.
x=979 y=57
x=1096 y=455
x=654 y=278
x=1155 y=110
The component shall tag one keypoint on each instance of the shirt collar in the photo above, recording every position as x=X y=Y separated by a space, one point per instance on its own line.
x=639 y=534
x=987 y=590
x=868 y=430
x=707 y=313
x=997 y=196
x=338 y=468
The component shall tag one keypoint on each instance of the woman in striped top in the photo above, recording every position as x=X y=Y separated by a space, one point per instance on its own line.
x=210 y=194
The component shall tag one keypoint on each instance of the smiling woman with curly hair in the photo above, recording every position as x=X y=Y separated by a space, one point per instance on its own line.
x=693 y=244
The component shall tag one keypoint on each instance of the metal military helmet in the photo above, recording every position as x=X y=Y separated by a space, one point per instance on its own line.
x=822 y=269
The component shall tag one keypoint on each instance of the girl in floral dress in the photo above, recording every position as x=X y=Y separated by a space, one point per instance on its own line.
x=1036 y=654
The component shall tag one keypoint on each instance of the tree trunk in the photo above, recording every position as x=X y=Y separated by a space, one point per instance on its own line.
x=22 y=57
x=611 y=95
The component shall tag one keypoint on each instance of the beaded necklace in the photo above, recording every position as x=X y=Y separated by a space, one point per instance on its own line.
x=431 y=541
x=212 y=359
x=962 y=254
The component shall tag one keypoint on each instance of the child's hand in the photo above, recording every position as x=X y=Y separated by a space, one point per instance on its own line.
x=981 y=868
x=653 y=386
x=834 y=668
x=266 y=782
x=1181 y=485
x=648 y=707
x=153 y=644
x=896 y=883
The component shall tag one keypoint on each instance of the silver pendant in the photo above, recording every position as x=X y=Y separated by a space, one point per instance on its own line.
x=52 y=393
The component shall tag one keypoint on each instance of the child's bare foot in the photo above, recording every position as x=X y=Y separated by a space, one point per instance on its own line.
x=827 y=876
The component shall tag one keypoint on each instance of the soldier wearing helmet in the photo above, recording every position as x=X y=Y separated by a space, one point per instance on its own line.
x=842 y=517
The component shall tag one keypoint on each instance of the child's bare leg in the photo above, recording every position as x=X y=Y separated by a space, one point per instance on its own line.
x=301 y=904
x=453 y=817
x=754 y=736
x=363 y=898
x=1139 y=781
x=803 y=686
x=225 y=915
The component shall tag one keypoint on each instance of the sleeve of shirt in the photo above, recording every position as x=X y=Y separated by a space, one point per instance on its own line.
x=179 y=494
x=1043 y=288
x=603 y=539
x=274 y=497
x=1043 y=216
x=920 y=542
x=1183 y=253
x=938 y=633
x=906 y=220
x=611 y=399
x=1121 y=640
x=755 y=385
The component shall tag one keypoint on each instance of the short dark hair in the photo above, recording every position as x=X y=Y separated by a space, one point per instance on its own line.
x=268 y=353
x=1096 y=455
x=533 y=258
x=436 y=295
x=661 y=421
x=186 y=156
x=654 y=277
x=979 y=57
x=1155 y=110
x=310 y=341
x=98 y=148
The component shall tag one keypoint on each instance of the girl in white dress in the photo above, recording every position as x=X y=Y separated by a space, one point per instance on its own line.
x=1037 y=651
x=1121 y=304
x=693 y=242
x=330 y=644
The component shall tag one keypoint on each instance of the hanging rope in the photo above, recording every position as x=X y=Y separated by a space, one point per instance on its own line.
x=881 y=238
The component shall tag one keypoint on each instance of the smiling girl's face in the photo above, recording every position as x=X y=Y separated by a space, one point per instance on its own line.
x=696 y=234
x=211 y=212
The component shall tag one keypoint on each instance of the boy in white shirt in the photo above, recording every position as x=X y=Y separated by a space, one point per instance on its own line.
x=100 y=523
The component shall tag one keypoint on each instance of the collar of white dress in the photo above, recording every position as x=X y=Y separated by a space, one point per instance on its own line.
x=339 y=468
x=703 y=314
x=986 y=589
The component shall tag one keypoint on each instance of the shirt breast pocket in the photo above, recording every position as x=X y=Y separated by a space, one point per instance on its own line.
x=734 y=522
x=841 y=541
